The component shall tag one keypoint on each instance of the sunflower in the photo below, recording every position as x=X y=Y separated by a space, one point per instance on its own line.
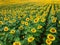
x=33 y=30
x=21 y=27
x=39 y=27
x=38 y=16
x=30 y=39
x=26 y=23
x=59 y=22
x=53 y=30
x=31 y=17
x=36 y=20
x=48 y=42
x=1 y=22
x=16 y=43
x=51 y=37
x=6 y=29
x=4 y=12
x=43 y=19
x=44 y=14
x=22 y=22
x=6 y=18
x=54 y=20
x=12 y=32
x=27 y=19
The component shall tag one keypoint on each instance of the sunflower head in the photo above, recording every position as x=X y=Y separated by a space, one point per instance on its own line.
x=16 y=43
x=51 y=37
x=1 y=22
x=27 y=19
x=22 y=22
x=21 y=27
x=5 y=28
x=38 y=16
x=33 y=30
x=31 y=17
x=30 y=39
x=53 y=30
x=43 y=19
x=36 y=20
x=44 y=14
x=26 y=23
x=39 y=27
x=48 y=42
x=12 y=32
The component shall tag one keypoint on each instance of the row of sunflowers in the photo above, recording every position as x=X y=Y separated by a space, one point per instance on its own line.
x=30 y=24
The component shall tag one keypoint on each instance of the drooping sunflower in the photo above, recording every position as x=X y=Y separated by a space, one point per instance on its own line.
x=30 y=39
x=53 y=30
x=51 y=37
x=31 y=17
x=16 y=43
x=38 y=16
x=44 y=14
x=4 y=12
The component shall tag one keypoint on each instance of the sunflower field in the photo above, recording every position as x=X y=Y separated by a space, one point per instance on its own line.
x=30 y=24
